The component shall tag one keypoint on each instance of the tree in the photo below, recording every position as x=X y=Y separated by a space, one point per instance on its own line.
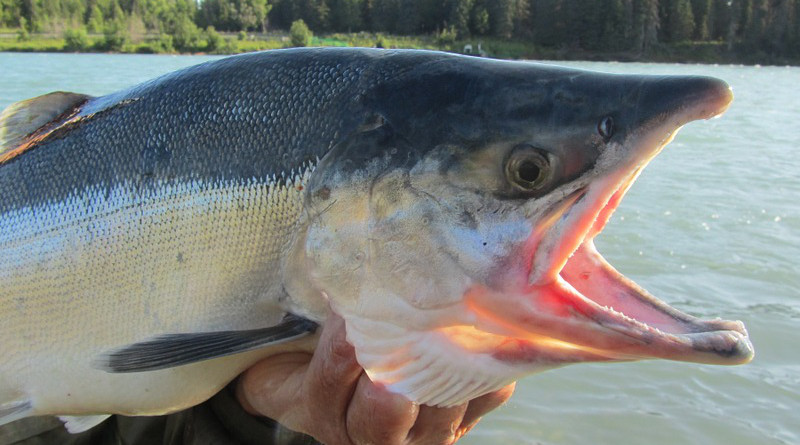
x=612 y=17
x=458 y=15
x=253 y=14
x=734 y=23
x=9 y=13
x=75 y=39
x=521 y=18
x=234 y=15
x=114 y=35
x=345 y=15
x=29 y=10
x=479 y=22
x=214 y=41
x=679 y=20
x=703 y=24
x=501 y=17
x=299 y=33
x=755 y=23
x=408 y=17
x=96 y=23
x=646 y=25
x=384 y=15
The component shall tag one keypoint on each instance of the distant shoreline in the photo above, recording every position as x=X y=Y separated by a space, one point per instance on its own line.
x=688 y=52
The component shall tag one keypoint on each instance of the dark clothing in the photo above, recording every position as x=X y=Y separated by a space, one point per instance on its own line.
x=219 y=421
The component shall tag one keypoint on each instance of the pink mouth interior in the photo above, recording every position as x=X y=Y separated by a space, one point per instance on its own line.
x=590 y=312
x=591 y=275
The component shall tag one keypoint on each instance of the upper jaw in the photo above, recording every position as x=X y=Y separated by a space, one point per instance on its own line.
x=588 y=206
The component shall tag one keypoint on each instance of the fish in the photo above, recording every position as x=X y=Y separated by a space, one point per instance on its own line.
x=158 y=241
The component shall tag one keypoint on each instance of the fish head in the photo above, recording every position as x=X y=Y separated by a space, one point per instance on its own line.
x=453 y=230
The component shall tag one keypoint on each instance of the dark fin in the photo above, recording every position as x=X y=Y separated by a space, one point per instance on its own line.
x=14 y=410
x=27 y=121
x=79 y=424
x=170 y=350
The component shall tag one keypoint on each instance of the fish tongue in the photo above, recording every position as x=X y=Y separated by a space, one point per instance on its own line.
x=555 y=311
x=591 y=275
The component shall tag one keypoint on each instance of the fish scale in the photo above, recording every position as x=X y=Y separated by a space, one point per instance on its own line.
x=120 y=214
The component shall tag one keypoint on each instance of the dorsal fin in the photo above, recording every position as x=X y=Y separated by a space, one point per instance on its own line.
x=27 y=120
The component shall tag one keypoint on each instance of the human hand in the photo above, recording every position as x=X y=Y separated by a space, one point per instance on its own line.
x=329 y=397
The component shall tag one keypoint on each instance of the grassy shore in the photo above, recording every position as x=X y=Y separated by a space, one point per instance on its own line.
x=716 y=52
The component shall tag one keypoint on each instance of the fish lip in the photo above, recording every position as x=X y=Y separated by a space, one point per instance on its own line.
x=663 y=332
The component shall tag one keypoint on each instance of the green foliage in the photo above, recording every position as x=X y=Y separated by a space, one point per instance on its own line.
x=185 y=34
x=9 y=13
x=234 y=15
x=480 y=20
x=748 y=30
x=76 y=39
x=679 y=20
x=501 y=17
x=96 y=23
x=115 y=36
x=458 y=15
x=22 y=34
x=447 y=36
x=299 y=34
x=345 y=15
x=163 y=44
x=214 y=41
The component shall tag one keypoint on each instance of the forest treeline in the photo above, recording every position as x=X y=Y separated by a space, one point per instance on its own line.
x=768 y=29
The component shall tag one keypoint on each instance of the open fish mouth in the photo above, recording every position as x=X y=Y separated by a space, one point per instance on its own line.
x=576 y=307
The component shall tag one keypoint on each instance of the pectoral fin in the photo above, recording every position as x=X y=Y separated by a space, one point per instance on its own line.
x=167 y=351
x=14 y=410
x=79 y=424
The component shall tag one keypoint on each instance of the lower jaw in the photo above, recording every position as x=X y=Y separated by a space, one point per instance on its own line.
x=556 y=324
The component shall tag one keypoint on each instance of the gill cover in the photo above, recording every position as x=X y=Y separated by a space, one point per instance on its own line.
x=371 y=236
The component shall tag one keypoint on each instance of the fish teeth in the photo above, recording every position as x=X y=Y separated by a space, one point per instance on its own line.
x=639 y=324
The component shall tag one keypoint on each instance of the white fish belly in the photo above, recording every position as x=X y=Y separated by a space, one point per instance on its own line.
x=111 y=267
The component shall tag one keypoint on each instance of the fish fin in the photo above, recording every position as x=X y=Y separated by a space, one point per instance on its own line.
x=27 y=121
x=425 y=366
x=79 y=424
x=170 y=350
x=14 y=410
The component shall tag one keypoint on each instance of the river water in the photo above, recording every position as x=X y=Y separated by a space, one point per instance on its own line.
x=712 y=227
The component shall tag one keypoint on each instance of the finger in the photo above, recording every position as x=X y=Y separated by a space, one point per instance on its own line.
x=330 y=382
x=437 y=425
x=333 y=372
x=479 y=407
x=271 y=383
x=378 y=416
x=309 y=394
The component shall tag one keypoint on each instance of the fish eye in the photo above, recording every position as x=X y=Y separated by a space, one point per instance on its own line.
x=528 y=168
x=606 y=127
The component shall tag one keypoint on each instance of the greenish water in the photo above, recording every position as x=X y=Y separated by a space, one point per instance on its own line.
x=712 y=227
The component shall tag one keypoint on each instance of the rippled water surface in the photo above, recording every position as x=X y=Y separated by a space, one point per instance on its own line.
x=712 y=227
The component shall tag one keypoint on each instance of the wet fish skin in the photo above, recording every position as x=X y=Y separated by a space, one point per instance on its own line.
x=211 y=199
x=160 y=209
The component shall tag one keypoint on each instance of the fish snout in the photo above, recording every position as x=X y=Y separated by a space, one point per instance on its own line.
x=682 y=99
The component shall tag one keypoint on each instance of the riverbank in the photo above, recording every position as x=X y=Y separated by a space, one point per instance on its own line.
x=229 y=43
